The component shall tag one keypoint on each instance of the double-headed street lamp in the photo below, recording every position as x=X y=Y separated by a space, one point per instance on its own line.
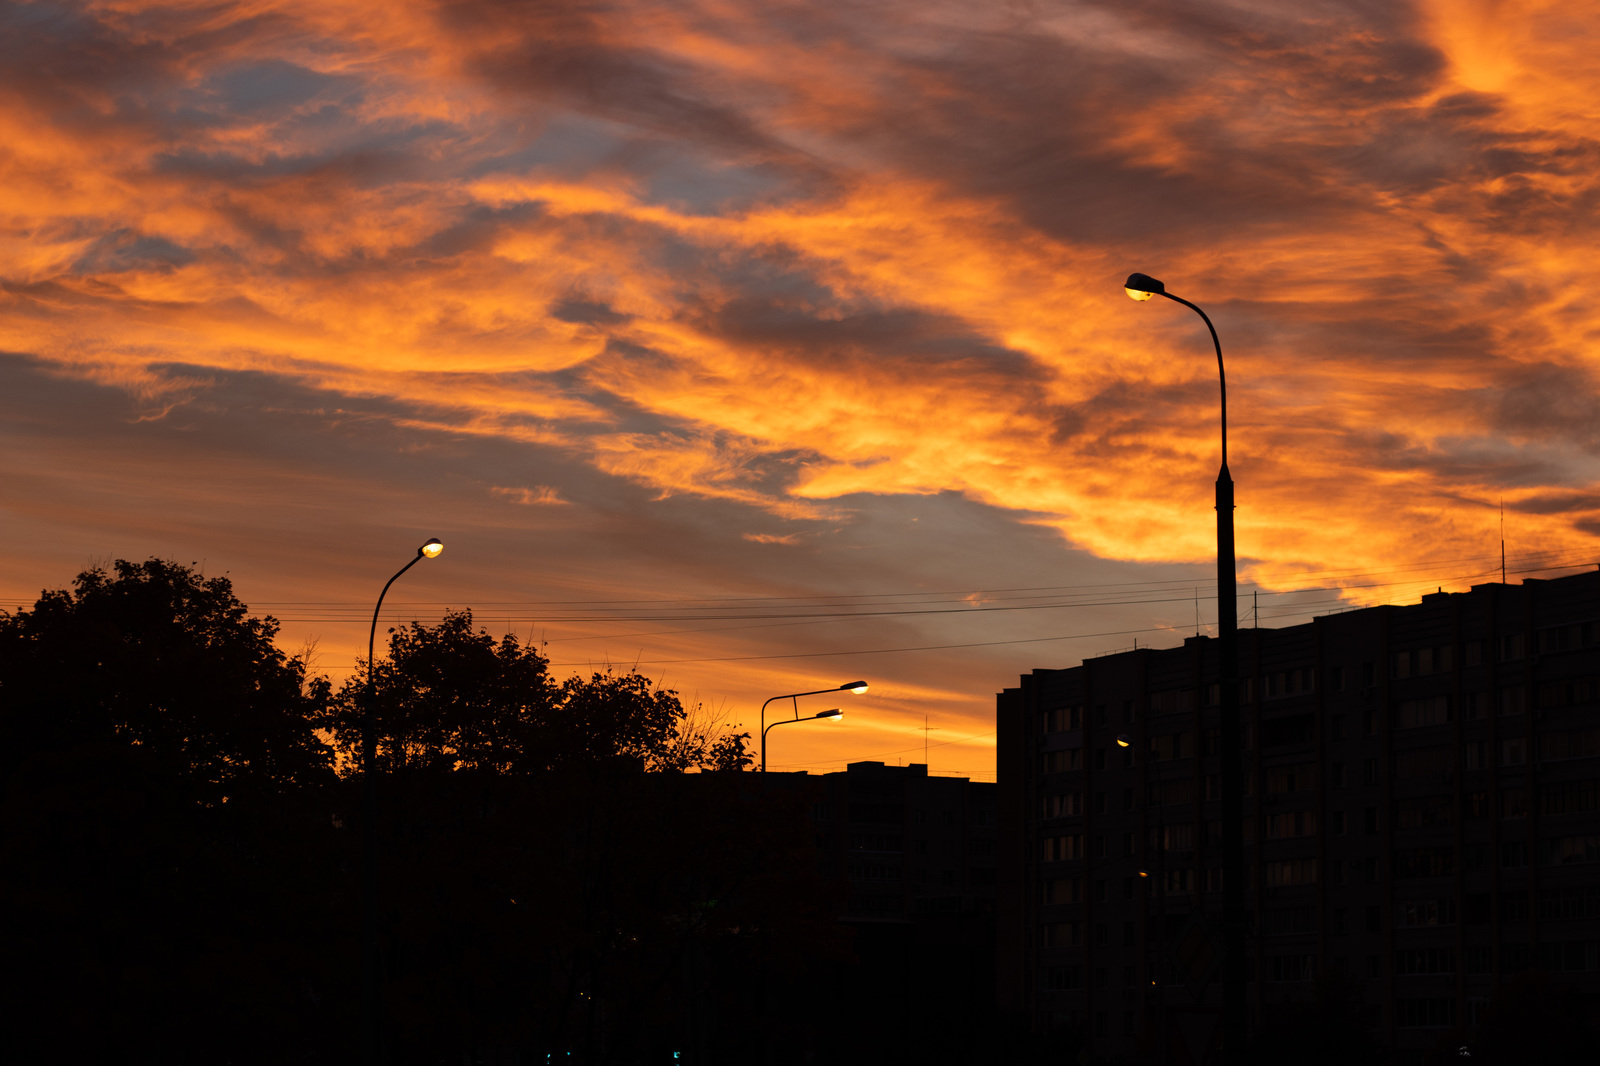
x=857 y=687
x=369 y=808
x=1142 y=287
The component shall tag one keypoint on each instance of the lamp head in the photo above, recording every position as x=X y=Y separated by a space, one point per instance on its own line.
x=1142 y=286
x=431 y=549
x=1124 y=741
x=1144 y=873
x=835 y=713
x=858 y=687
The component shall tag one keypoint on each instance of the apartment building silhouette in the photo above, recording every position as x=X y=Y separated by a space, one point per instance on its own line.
x=1420 y=814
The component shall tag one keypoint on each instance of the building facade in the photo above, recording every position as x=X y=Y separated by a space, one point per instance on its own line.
x=1420 y=814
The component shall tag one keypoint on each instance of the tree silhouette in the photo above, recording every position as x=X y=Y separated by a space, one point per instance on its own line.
x=156 y=662
x=452 y=698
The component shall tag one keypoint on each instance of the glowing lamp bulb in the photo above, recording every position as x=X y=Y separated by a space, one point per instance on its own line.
x=1142 y=286
x=835 y=713
x=1124 y=741
x=858 y=687
x=432 y=548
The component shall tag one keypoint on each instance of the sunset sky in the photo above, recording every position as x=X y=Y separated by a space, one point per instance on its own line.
x=768 y=346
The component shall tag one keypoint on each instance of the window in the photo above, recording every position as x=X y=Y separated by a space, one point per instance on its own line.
x=1177 y=837
x=1061 y=805
x=1512 y=700
x=872 y=871
x=1569 y=744
x=1171 y=746
x=1055 y=762
x=1181 y=790
x=1572 y=850
x=1337 y=727
x=1336 y=823
x=1127 y=1023
x=1101 y=938
x=1424 y=862
x=1063 y=890
x=1425 y=960
x=1568 y=692
x=1061 y=719
x=1425 y=913
x=1569 y=797
x=1424 y=762
x=1424 y=1013
x=1474 y=653
x=1336 y=775
x=1062 y=848
x=1291 y=824
x=1336 y=679
x=1369 y=674
x=1472 y=755
x=1099 y=890
x=1513 y=751
x=1100 y=759
x=1178 y=882
x=1287 y=922
x=1513 y=906
x=1099 y=803
x=1475 y=858
x=1336 y=871
x=1129 y=935
x=1430 y=710
x=1062 y=934
x=1291 y=872
x=1099 y=847
x=1474 y=705
x=1127 y=844
x=1300 y=777
x=1369 y=771
x=1293 y=967
x=1374 y=919
x=1479 y=908
x=1424 y=812
x=1478 y=958
x=1062 y=978
x=1514 y=803
x=1370 y=821
x=1127 y=799
x=1511 y=647
x=873 y=842
x=1577 y=901
x=1338 y=922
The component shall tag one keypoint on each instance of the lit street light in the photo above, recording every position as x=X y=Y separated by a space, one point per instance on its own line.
x=369 y=843
x=857 y=687
x=1142 y=287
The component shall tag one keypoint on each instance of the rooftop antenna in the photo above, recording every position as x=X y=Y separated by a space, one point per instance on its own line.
x=1502 y=540
x=1197 y=612
x=1255 y=608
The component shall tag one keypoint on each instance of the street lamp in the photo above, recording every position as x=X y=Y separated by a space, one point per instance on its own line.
x=857 y=687
x=1142 y=287
x=369 y=845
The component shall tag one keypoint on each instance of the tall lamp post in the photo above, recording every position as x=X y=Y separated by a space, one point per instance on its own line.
x=857 y=687
x=369 y=842
x=1142 y=287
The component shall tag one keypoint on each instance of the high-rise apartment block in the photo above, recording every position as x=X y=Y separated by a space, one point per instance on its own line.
x=1420 y=813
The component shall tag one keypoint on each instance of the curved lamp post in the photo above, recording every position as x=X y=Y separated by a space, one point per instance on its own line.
x=857 y=687
x=1142 y=287
x=369 y=844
